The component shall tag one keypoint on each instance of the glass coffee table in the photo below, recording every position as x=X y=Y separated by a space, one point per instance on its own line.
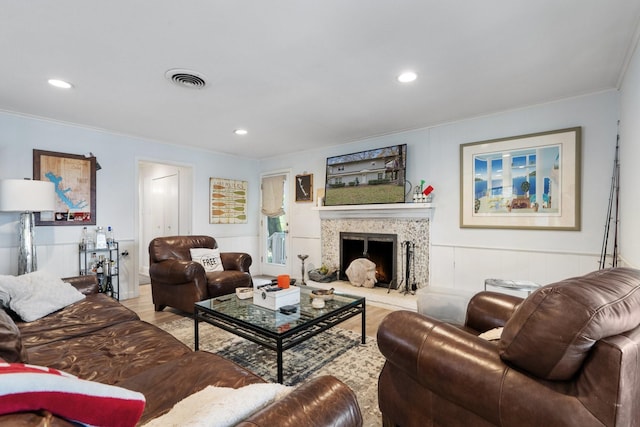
x=273 y=329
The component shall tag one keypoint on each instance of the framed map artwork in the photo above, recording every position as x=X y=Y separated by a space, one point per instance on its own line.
x=228 y=201
x=74 y=178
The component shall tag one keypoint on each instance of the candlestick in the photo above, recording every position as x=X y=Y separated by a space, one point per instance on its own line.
x=302 y=258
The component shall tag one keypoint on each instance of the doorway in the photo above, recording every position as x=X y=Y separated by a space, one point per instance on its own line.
x=165 y=205
x=274 y=224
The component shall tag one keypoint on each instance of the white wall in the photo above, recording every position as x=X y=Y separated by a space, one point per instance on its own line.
x=463 y=258
x=460 y=258
x=117 y=190
x=629 y=157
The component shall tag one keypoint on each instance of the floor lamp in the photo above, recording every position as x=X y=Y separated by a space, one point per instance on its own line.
x=26 y=196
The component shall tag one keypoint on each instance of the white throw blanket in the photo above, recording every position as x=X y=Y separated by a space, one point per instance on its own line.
x=492 y=334
x=220 y=406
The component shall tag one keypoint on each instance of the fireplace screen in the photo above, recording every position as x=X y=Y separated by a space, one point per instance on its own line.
x=378 y=248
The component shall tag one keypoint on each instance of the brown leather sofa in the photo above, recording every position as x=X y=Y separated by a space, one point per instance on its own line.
x=177 y=281
x=569 y=355
x=101 y=340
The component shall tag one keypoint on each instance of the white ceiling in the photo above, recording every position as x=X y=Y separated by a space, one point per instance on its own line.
x=299 y=74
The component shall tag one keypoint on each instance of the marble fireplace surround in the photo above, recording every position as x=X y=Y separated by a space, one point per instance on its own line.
x=408 y=225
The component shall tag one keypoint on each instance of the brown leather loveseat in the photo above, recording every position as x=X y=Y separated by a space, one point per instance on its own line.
x=100 y=340
x=569 y=355
x=178 y=281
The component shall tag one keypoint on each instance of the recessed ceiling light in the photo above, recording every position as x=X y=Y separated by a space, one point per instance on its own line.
x=407 y=77
x=60 y=83
x=240 y=131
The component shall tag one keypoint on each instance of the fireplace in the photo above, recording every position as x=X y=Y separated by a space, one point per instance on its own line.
x=414 y=229
x=379 y=248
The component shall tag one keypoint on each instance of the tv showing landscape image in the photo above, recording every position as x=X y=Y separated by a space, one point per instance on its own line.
x=367 y=177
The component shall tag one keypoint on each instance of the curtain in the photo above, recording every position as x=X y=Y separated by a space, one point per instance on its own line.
x=273 y=195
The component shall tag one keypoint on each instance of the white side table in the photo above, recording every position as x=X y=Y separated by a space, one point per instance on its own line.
x=514 y=285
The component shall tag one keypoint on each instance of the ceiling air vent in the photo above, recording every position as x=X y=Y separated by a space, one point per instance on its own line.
x=186 y=78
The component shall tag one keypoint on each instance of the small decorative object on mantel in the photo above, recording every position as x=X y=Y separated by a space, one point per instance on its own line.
x=320 y=196
x=323 y=274
x=426 y=194
x=422 y=194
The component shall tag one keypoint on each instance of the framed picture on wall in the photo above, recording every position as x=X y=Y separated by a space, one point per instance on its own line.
x=74 y=178
x=304 y=188
x=522 y=182
x=227 y=201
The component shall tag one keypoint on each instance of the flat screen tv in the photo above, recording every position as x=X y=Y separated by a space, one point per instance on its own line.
x=367 y=177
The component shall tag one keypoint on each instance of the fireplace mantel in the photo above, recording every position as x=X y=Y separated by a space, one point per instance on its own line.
x=397 y=210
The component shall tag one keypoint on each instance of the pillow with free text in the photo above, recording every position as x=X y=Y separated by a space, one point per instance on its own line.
x=209 y=258
x=34 y=388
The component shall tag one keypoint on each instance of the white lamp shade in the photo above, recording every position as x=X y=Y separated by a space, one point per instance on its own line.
x=24 y=195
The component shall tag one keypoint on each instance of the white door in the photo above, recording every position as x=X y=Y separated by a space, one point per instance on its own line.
x=164 y=205
x=274 y=234
x=165 y=215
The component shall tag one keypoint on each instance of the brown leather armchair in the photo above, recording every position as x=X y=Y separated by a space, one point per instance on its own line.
x=179 y=282
x=569 y=355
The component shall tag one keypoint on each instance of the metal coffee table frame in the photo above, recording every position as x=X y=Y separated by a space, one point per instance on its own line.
x=275 y=340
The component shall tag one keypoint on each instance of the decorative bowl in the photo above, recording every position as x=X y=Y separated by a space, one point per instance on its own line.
x=325 y=294
x=244 y=293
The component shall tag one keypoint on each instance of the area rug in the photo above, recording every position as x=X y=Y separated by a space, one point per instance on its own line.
x=336 y=352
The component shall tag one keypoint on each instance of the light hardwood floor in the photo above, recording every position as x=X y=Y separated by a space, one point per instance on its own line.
x=143 y=306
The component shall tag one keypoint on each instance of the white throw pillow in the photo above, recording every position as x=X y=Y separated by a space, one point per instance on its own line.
x=209 y=258
x=34 y=295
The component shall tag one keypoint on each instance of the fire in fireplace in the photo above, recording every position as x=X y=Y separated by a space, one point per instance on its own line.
x=378 y=248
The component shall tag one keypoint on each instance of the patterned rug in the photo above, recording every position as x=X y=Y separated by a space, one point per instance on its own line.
x=336 y=352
